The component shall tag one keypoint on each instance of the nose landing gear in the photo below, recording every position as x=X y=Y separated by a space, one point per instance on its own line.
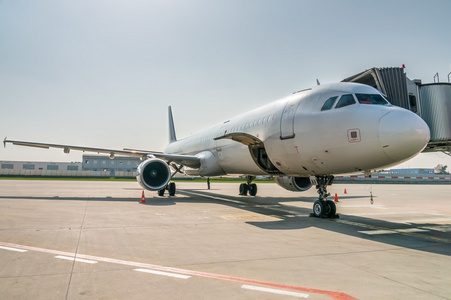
x=248 y=187
x=323 y=208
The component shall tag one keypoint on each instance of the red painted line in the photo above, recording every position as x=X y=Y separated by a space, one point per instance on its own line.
x=419 y=177
x=430 y=177
x=353 y=176
x=407 y=177
x=331 y=294
x=394 y=177
x=381 y=177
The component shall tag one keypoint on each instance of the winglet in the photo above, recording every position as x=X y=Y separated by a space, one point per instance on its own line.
x=4 y=142
x=317 y=82
x=172 y=137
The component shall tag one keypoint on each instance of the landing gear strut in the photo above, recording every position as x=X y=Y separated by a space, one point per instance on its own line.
x=248 y=187
x=323 y=208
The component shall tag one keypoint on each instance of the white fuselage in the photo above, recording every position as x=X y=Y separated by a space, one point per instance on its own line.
x=301 y=139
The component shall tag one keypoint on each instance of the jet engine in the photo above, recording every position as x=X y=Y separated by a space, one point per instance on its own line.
x=295 y=184
x=153 y=174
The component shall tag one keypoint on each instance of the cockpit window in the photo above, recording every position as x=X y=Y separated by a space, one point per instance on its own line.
x=345 y=100
x=329 y=103
x=371 y=99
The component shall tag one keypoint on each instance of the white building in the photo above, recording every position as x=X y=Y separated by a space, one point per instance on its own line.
x=92 y=166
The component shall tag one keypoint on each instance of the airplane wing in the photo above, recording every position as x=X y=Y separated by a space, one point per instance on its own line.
x=186 y=160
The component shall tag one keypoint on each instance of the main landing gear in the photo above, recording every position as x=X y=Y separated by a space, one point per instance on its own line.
x=170 y=188
x=248 y=187
x=323 y=208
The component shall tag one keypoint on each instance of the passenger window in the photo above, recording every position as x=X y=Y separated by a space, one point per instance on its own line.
x=329 y=103
x=345 y=100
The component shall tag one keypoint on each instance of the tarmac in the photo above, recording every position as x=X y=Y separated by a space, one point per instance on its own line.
x=94 y=240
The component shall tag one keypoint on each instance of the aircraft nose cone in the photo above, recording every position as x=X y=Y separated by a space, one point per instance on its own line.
x=403 y=134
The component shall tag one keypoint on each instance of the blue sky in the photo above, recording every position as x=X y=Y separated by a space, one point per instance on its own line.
x=102 y=73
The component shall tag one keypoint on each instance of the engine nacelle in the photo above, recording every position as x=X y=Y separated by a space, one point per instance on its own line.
x=153 y=174
x=295 y=184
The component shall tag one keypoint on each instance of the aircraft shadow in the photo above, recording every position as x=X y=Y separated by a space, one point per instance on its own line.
x=294 y=218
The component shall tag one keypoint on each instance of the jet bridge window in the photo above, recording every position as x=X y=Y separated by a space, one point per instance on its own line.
x=371 y=99
x=329 y=103
x=345 y=100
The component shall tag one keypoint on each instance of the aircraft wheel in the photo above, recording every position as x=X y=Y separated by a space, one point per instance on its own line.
x=319 y=208
x=331 y=209
x=161 y=192
x=171 y=188
x=252 y=189
x=243 y=189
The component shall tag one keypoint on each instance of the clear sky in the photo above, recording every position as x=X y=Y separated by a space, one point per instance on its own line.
x=102 y=73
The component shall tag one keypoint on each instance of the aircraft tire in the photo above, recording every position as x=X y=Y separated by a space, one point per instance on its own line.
x=171 y=188
x=252 y=189
x=161 y=192
x=243 y=189
x=331 y=209
x=319 y=208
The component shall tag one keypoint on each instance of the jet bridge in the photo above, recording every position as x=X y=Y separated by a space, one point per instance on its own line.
x=431 y=101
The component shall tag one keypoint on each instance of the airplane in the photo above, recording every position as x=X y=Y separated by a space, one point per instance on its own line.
x=301 y=140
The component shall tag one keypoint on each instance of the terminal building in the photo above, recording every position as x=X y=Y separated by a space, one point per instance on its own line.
x=91 y=166
x=414 y=171
x=40 y=166
x=119 y=164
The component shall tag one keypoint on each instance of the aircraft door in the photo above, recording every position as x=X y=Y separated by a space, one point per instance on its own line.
x=287 y=119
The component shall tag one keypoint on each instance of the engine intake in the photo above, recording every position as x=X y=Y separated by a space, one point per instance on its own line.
x=295 y=184
x=153 y=174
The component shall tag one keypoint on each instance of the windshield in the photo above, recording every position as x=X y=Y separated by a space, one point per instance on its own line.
x=345 y=100
x=329 y=103
x=371 y=99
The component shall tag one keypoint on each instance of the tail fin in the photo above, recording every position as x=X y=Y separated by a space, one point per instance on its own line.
x=172 y=137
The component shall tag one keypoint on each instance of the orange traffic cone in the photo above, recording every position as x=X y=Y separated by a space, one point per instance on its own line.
x=336 y=198
x=143 y=199
x=345 y=191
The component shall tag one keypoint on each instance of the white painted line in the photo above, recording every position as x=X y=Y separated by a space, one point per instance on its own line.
x=76 y=259
x=388 y=213
x=331 y=294
x=444 y=228
x=418 y=221
x=355 y=224
x=274 y=291
x=12 y=249
x=392 y=231
x=162 y=273
x=214 y=197
x=363 y=206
